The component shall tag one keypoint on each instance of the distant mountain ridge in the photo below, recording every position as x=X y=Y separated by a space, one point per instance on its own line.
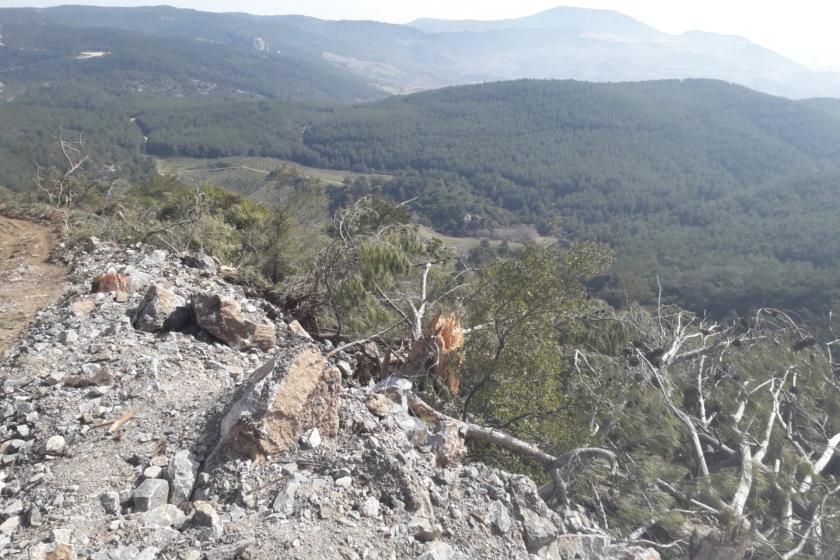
x=562 y=43
x=597 y=21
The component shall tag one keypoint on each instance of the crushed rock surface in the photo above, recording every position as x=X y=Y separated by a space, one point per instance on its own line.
x=93 y=409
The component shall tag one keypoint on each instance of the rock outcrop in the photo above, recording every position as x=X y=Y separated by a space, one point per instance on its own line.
x=292 y=393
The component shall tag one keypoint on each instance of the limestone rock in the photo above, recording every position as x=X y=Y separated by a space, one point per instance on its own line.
x=182 y=471
x=623 y=552
x=55 y=445
x=110 y=502
x=437 y=551
x=152 y=493
x=161 y=310
x=222 y=317
x=499 y=517
x=206 y=516
x=10 y=525
x=166 y=515
x=370 y=507
x=298 y=330
x=285 y=501
x=283 y=399
x=311 y=439
x=537 y=532
x=583 y=547
x=447 y=444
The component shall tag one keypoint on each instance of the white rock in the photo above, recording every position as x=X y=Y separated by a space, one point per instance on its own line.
x=55 y=445
x=285 y=501
x=182 y=472
x=311 y=439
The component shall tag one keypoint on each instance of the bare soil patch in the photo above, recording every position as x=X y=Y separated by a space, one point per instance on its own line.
x=27 y=281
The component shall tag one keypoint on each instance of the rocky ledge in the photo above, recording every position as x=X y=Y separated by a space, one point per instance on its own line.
x=157 y=412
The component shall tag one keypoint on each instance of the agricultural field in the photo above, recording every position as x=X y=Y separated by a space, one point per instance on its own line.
x=245 y=175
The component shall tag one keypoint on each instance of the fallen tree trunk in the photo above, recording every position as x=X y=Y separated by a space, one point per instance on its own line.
x=551 y=464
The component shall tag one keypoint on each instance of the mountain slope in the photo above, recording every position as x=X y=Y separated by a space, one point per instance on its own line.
x=124 y=59
x=568 y=43
x=726 y=193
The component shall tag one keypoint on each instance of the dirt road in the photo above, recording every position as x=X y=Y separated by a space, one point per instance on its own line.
x=27 y=281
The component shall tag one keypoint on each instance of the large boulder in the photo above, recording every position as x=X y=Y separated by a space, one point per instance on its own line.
x=161 y=310
x=295 y=391
x=223 y=318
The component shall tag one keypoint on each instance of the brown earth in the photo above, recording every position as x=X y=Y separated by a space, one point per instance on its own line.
x=27 y=281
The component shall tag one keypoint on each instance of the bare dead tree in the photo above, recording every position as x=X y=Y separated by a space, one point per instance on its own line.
x=58 y=188
x=766 y=383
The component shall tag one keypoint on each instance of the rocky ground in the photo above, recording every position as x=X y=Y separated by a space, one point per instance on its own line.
x=169 y=416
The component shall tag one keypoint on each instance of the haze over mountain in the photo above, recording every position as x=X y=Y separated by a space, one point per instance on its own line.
x=576 y=43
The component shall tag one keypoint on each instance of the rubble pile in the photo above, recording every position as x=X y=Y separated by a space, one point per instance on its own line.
x=155 y=411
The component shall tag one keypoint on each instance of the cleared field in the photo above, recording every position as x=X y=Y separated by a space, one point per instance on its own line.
x=249 y=176
x=245 y=175
x=463 y=245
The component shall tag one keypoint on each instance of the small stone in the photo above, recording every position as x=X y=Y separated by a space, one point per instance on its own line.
x=378 y=405
x=423 y=529
x=152 y=472
x=10 y=525
x=370 y=507
x=23 y=430
x=437 y=551
x=344 y=482
x=298 y=330
x=33 y=517
x=206 y=516
x=110 y=502
x=285 y=501
x=106 y=283
x=166 y=515
x=55 y=445
x=13 y=508
x=152 y=493
x=68 y=338
x=103 y=377
x=311 y=439
x=499 y=517
x=345 y=368
x=82 y=307
x=228 y=552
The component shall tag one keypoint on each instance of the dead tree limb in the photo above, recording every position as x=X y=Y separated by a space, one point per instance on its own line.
x=551 y=464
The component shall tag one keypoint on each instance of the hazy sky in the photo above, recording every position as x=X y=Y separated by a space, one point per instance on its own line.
x=805 y=30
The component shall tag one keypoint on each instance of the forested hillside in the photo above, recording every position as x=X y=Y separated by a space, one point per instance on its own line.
x=724 y=193
x=43 y=53
x=728 y=196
